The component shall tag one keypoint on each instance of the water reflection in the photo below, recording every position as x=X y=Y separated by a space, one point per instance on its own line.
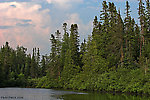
x=26 y=94
x=49 y=94
x=101 y=96
x=32 y=94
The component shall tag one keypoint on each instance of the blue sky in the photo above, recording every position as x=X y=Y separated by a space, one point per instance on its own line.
x=29 y=23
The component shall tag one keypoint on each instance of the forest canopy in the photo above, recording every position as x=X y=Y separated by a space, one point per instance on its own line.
x=116 y=57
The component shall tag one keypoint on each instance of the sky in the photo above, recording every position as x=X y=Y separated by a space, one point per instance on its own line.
x=29 y=23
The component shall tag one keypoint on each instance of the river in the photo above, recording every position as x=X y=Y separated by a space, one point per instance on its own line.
x=50 y=94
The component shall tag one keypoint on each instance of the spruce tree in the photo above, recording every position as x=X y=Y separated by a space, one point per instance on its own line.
x=82 y=52
x=142 y=18
x=72 y=57
x=127 y=25
x=52 y=70
x=129 y=41
x=55 y=63
x=119 y=42
x=104 y=16
x=148 y=15
x=43 y=65
x=6 y=62
x=114 y=36
x=34 y=67
x=74 y=44
x=65 y=45
x=27 y=66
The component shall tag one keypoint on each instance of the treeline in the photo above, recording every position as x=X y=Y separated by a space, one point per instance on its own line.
x=116 y=57
x=16 y=66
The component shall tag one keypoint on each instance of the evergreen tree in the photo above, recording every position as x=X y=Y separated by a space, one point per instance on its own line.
x=53 y=54
x=74 y=44
x=38 y=61
x=119 y=37
x=27 y=66
x=55 y=64
x=129 y=38
x=1 y=73
x=72 y=58
x=58 y=42
x=58 y=49
x=95 y=23
x=34 y=67
x=70 y=69
x=83 y=47
x=93 y=61
x=103 y=38
x=6 y=50
x=96 y=28
x=146 y=49
x=112 y=14
x=38 y=57
x=148 y=15
x=114 y=36
x=21 y=57
x=43 y=65
x=65 y=45
x=104 y=16
x=82 y=52
x=127 y=25
x=142 y=18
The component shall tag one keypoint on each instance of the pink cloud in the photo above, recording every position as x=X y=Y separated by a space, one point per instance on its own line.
x=30 y=26
x=1 y=38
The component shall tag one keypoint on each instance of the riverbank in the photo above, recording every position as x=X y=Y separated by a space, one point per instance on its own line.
x=120 y=81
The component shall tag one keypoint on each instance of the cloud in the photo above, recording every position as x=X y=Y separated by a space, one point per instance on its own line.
x=122 y=0
x=84 y=28
x=30 y=23
x=15 y=0
x=64 y=3
x=5 y=27
x=23 y=23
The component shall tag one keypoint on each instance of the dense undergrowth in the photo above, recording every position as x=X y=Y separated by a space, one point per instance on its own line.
x=122 y=80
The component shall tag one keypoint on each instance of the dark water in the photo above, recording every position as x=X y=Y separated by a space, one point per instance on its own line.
x=49 y=94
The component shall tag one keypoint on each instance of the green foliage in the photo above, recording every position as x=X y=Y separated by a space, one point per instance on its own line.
x=21 y=81
x=115 y=58
x=16 y=66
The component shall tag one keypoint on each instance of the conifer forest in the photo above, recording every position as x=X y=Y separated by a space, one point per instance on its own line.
x=115 y=57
